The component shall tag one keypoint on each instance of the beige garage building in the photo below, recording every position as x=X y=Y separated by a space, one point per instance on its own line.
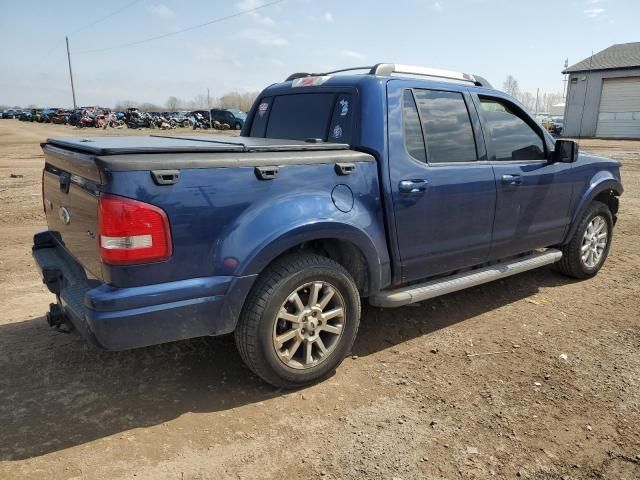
x=603 y=95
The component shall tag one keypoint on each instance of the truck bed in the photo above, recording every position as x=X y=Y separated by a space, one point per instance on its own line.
x=187 y=144
x=216 y=182
x=88 y=157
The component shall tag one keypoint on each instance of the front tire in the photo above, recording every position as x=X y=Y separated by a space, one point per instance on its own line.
x=587 y=251
x=299 y=321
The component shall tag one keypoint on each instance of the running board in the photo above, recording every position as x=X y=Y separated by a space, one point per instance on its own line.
x=442 y=286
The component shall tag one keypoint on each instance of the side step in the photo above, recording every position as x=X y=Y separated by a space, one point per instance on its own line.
x=442 y=286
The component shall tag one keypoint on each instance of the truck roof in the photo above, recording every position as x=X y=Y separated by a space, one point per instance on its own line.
x=369 y=82
x=381 y=73
x=186 y=144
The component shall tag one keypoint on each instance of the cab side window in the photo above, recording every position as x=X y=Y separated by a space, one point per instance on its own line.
x=413 y=139
x=511 y=136
x=341 y=120
x=259 y=125
x=446 y=126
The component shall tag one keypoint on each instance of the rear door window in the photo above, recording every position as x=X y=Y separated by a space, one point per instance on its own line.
x=447 y=126
x=413 y=139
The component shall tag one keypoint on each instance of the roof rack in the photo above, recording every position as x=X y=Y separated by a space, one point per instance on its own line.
x=386 y=69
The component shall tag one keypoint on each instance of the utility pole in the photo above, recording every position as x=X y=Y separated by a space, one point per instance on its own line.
x=209 y=109
x=73 y=90
x=537 y=94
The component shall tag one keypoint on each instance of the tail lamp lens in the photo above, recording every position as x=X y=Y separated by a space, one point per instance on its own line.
x=132 y=232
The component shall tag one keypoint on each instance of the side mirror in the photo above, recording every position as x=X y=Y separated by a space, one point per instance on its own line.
x=566 y=152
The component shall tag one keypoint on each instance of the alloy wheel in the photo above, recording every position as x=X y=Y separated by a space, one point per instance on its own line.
x=594 y=242
x=309 y=325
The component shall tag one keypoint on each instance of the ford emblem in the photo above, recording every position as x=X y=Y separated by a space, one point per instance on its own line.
x=65 y=216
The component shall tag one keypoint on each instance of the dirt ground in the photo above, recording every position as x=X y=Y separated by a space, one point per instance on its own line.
x=561 y=400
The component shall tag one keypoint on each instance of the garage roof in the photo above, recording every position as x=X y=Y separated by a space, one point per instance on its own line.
x=621 y=55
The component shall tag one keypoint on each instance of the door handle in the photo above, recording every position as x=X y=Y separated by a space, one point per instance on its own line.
x=413 y=186
x=512 y=179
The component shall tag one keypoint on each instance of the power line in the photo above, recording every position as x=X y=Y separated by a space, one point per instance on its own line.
x=130 y=4
x=170 y=34
x=57 y=46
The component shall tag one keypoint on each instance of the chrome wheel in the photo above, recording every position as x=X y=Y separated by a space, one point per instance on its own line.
x=594 y=242
x=309 y=325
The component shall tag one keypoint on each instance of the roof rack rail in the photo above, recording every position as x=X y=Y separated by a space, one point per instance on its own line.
x=389 y=68
x=386 y=69
x=293 y=76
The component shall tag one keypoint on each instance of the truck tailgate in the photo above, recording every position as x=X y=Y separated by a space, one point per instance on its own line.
x=70 y=194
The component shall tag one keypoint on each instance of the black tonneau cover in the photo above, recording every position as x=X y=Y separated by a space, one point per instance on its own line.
x=185 y=144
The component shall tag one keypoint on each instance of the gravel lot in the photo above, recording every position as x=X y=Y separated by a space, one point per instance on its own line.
x=561 y=401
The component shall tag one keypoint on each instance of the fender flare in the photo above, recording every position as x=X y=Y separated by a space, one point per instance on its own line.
x=274 y=246
x=600 y=183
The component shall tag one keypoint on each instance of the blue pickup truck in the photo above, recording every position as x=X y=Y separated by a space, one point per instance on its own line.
x=394 y=184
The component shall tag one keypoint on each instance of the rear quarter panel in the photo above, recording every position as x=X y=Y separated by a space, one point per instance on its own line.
x=224 y=221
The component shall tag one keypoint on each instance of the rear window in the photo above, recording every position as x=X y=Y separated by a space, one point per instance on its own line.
x=300 y=116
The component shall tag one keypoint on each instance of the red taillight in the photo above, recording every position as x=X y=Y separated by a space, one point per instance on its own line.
x=132 y=232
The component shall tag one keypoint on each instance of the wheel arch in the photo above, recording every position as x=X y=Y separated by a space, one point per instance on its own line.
x=604 y=188
x=349 y=246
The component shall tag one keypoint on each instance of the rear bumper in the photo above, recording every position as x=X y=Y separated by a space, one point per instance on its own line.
x=123 y=318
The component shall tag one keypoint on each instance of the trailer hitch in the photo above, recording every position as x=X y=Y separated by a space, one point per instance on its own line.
x=53 y=279
x=57 y=318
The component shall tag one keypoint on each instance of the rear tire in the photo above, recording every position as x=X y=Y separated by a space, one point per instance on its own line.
x=587 y=251
x=299 y=321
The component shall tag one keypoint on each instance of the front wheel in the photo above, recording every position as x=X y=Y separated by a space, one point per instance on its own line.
x=587 y=251
x=299 y=321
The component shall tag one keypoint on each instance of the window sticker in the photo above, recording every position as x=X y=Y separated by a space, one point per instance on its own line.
x=344 y=107
x=337 y=131
x=262 y=108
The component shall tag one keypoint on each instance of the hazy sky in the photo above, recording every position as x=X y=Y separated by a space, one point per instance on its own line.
x=493 y=38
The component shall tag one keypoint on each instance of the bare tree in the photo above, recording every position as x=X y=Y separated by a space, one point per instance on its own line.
x=550 y=99
x=150 y=107
x=199 y=102
x=528 y=100
x=173 y=104
x=124 y=104
x=238 y=100
x=511 y=86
